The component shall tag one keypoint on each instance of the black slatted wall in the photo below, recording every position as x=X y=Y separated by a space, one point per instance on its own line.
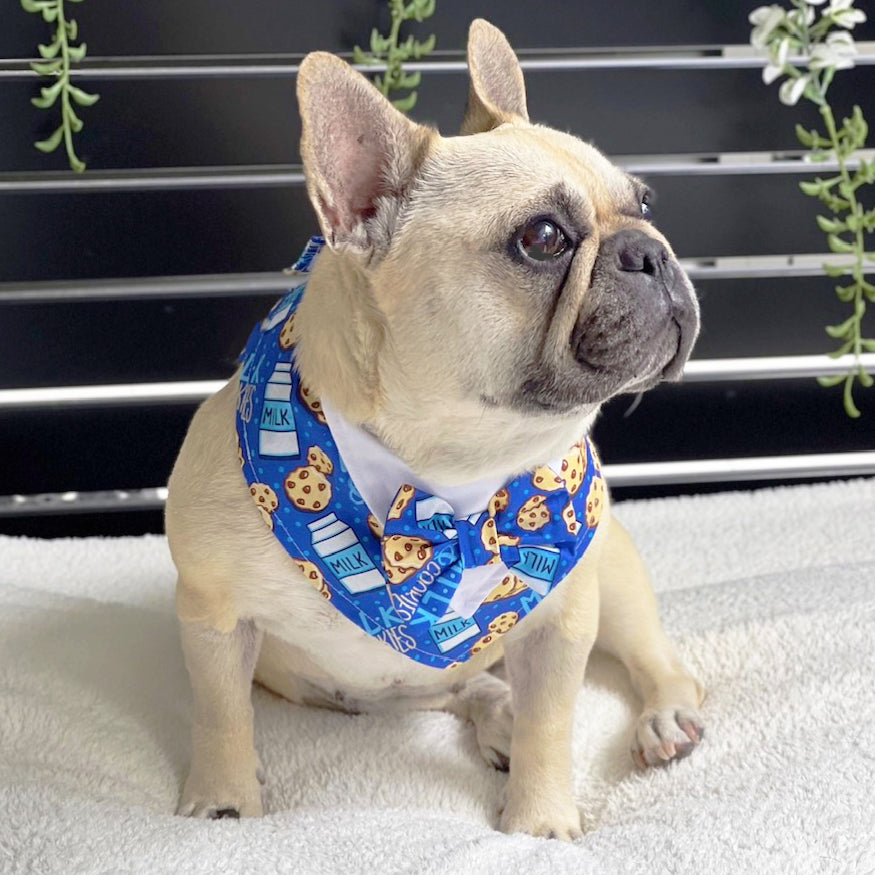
x=156 y=123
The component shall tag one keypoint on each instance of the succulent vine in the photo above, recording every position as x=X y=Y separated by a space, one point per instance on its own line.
x=825 y=45
x=387 y=50
x=57 y=59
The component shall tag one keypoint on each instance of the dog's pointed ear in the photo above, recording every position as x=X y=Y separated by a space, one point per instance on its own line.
x=359 y=153
x=497 y=93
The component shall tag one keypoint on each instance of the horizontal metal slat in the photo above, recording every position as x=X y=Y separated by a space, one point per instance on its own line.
x=635 y=474
x=772 y=367
x=696 y=371
x=182 y=392
x=750 y=469
x=230 y=66
x=269 y=283
x=267 y=176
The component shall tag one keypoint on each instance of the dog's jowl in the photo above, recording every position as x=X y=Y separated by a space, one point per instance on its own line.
x=396 y=490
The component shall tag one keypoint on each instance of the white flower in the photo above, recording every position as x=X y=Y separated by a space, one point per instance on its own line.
x=778 y=53
x=765 y=20
x=800 y=18
x=790 y=92
x=842 y=12
x=838 y=51
x=848 y=17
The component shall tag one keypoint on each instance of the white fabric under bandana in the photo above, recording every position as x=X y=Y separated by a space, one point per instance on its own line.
x=436 y=573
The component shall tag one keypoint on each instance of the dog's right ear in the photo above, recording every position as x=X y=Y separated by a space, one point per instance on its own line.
x=497 y=93
x=359 y=153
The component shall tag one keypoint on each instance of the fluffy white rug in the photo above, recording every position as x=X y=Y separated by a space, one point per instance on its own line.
x=770 y=594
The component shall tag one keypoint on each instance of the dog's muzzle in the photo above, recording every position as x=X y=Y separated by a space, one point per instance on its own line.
x=641 y=318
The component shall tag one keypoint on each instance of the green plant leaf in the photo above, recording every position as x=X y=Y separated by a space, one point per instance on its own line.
x=83 y=98
x=51 y=50
x=405 y=104
x=72 y=29
x=850 y=407
x=864 y=378
x=805 y=137
x=49 y=95
x=360 y=57
x=47 y=69
x=50 y=13
x=421 y=49
x=841 y=330
x=829 y=382
x=77 y=53
x=51 y=143
x=422 y=9
x=846 y=293
x=75 y=163
x=836 y=269
x=833 y=225
x=812 y=188
x=868 y=345
x=836 y=244
x=72 y=118
x=38 y=5
x=379 y=45
x=409 y=80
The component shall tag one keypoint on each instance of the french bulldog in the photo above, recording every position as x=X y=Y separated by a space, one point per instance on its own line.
x=477 y=299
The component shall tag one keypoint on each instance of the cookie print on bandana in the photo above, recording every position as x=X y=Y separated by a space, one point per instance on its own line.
x=395 y=578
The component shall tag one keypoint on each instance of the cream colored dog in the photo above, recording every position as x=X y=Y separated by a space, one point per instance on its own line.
x=513 y=269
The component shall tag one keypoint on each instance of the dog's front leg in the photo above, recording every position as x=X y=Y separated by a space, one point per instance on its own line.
x=223 y=779
x=545 y=669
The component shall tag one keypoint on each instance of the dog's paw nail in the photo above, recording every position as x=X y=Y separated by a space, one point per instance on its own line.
x=694 y=731
x=664 y=736
x=225 y=813
x=499 y=761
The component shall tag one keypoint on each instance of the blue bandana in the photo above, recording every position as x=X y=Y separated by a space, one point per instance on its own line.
x=402 y=579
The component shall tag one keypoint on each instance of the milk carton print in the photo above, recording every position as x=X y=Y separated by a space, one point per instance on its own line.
x=343 y=553
x=277 y=437
x=537 y=566
x=451 y=630
x=434 y=513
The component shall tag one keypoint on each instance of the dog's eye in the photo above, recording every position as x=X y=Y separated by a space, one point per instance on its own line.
x=646 y=207
x=542 y=240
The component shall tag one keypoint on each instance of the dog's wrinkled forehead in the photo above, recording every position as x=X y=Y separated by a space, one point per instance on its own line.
x=506 y=176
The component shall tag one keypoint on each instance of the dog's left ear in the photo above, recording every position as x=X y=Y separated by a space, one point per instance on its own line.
x=360 y=153
x=497 y=93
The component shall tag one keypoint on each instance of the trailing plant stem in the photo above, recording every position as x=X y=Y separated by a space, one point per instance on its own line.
x=75 y=163
x=857 y=269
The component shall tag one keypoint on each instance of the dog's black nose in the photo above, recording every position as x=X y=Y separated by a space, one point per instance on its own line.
x=635 y=251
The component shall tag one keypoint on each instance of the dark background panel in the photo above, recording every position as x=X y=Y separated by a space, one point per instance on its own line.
x=134 y=447
x=203 y=122
x=280 y=26
x=167 y=123
x=152 y=233
x=125 y=341
x=198 y=339
x=126 y=234
x=95 y=448
x=770 y=317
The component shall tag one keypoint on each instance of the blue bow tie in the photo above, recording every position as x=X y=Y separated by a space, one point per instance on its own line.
x=424 y=539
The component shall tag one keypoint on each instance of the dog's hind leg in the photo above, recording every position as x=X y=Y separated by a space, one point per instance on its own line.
x=669 y=726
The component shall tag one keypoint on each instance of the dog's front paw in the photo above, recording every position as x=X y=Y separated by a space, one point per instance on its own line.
x=667 y=734
x=213 y=796
x=540 y=816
